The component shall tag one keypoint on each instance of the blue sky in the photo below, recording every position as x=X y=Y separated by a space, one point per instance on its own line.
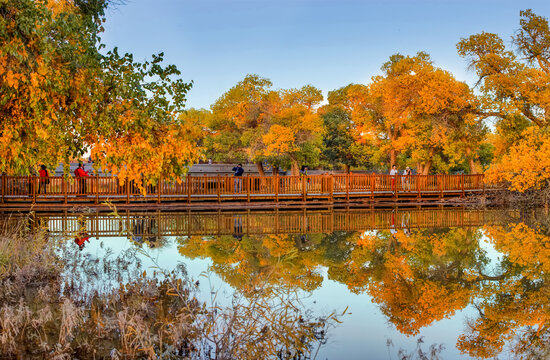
x=325 y=43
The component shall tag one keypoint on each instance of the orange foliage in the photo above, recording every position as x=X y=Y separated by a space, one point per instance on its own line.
x=515 y=85
x=420 y=110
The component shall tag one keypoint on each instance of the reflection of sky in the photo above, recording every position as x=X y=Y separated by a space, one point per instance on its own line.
x=363 y=333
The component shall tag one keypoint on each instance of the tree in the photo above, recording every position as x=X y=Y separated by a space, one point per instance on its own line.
x=239 y=120
x=341 y=143
x=296 y=129
x=419 y=111
x=61 y=97
x=515 y=84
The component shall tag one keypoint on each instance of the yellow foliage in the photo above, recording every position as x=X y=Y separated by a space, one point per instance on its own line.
x=526 y=165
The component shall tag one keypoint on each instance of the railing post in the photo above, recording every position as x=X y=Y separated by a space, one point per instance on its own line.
x=372 y=185
x=248 y=188
x=439 y=186
x=188 y=188
x=347 y=187
x=331 y=187
x=277 y=187
x=397 y=181
x=3 y=187
x=64 y=189
x=127 y=186
x=483 y=182
x=218 y=188
x=418 y=195
x=97 y=188
x=34 y=178
x=462 y=183
x=159 y=190
x=304 y=188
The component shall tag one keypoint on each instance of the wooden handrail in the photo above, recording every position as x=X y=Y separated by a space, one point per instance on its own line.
x=331 y=187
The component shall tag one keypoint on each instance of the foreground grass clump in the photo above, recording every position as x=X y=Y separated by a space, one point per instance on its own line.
x=44 y=315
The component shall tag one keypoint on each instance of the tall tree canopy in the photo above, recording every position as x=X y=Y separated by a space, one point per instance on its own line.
x=250 y=122
x=419 y=111
x=239 y=119
x=516 y=87
x=342 y=143
x=60 y=97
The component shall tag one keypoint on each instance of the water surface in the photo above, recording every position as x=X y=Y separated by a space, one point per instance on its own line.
x=473 y=281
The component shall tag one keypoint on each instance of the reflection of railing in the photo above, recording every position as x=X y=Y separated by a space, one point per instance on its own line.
x=221 y=188
x=275 y=222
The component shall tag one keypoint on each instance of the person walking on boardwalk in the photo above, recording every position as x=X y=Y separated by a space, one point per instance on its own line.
x=44 y=179
x=81 y=175
x=303 y=172
x=393 y=173
x=406 y=179
x=238 y=173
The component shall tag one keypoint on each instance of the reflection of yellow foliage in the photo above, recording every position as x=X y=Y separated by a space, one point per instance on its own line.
x=524 y=246
x=515 y=307
x=411 y=304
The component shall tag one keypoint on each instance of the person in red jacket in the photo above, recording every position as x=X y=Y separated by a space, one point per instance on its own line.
x=44 y=179
x=81 y=239
x=80 y=175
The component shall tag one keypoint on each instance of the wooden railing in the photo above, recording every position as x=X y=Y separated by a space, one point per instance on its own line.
x=157 y=223
x=246 y=188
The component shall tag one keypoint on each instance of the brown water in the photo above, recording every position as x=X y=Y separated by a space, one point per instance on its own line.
x=473 y=281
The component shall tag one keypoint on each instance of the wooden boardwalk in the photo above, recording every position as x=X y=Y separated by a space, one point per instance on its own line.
x=187 y=223
x=217 y=189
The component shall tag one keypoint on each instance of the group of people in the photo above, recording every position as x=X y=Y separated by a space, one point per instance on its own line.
x=79 y=174
x=405 y=180
x=238 y=171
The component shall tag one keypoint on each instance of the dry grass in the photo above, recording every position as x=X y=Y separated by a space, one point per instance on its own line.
x=46 y=314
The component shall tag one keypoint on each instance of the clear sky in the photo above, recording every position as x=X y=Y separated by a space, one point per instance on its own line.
x=325 y=43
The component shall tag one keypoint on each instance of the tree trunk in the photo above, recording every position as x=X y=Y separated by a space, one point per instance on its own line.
x=392 y=157
x=275 y=170
x=427 y=167
x=346 y=168
x=473 y=167
x=294 y=168
x=260 y=167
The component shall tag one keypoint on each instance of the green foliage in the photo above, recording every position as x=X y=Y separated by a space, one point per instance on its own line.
x=340 y=145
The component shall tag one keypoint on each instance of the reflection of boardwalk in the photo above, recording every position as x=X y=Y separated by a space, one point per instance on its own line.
x=274 y=222
x=217 y=189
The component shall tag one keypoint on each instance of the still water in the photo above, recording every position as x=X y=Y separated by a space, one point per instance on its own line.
x=465 y=283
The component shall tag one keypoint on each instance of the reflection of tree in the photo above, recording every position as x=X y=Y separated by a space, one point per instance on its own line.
x=241 y=263
x=514 y=306
x=417 y=278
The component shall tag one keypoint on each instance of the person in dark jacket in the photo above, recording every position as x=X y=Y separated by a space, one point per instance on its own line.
x=238 y=173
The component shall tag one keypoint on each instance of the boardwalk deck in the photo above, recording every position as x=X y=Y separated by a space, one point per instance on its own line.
x=332 y=188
